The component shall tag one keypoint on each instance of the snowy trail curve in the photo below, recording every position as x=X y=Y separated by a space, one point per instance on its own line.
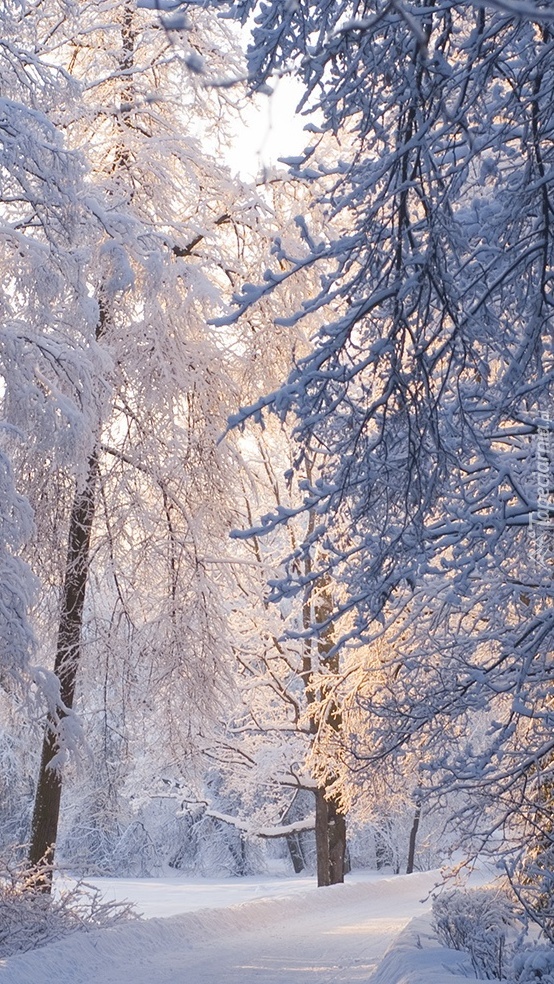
x=326 y=936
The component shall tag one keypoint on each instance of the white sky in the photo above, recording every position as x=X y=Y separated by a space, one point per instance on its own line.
x=273 y=129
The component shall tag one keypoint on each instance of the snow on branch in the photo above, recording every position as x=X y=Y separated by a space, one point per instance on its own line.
x=517 y=8
x=266 y=832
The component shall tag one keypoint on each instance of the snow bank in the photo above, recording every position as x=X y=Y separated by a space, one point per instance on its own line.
x=416 y=957
x=84 y=957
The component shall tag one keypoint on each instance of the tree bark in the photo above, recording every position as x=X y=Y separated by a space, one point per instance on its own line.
x=322 y=839
x=413 y=838
x=330 y=840
x=295 y=851
x=337 y=844
x=44 y=826
x=330 y=822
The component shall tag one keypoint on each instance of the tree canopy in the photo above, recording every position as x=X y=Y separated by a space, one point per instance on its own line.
x=425 y=404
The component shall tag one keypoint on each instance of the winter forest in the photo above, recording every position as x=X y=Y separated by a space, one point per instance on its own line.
x=276 y=458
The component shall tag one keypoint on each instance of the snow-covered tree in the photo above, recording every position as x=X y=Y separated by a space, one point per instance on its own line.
x=123 y=229
x=425 y=401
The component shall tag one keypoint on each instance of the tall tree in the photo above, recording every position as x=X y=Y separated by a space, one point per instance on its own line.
x=267 y=739
x=265 y=747
x=144 y=206
x=430 y=379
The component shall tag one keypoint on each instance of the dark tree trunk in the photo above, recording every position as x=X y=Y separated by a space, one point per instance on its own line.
x=337 y=844
x=322 y=839
x=330 y=822
x=44 y=827
x=413 y=839
x=330 y=840
x=295 y=851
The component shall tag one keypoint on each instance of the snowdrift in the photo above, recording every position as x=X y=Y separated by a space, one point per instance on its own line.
x=102 y=954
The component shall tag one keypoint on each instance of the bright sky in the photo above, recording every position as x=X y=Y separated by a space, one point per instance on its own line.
x=273 y=129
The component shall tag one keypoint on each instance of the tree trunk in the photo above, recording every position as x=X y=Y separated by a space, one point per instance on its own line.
x=322 y=839
x=337 y=844
x=295 y=851
x=413 y=838
x=46 y=812
x=44 y=827
x=330 y=840
x=330 y=822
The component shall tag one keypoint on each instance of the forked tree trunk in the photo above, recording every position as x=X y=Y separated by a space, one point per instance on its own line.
x=44 y=827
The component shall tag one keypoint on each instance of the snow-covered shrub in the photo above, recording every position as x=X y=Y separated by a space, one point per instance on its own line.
x=90 y=832
x=15 y=780
x=480 y=922
x=534 y=964
x=30 y=918
x=222 y=850
x=533 y=877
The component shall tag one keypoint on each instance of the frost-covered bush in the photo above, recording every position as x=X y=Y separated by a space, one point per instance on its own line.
x=480 y=922
x=16 y=776
x=533 y=877
x=30 y=918
x=534 y=964
x=222 y=850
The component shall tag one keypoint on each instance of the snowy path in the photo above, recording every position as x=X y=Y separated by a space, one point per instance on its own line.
x=331 y=936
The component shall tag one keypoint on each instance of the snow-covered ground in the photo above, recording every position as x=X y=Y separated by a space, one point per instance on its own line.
x=247 y=931
x=177 y=894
